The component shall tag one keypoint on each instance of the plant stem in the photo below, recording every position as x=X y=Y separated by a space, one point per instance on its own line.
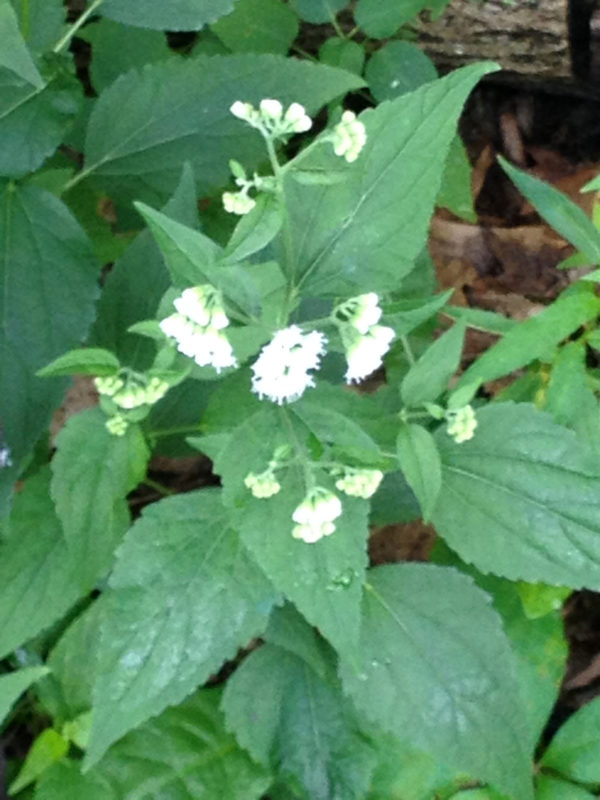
x=25 y=19
x=158 y=487
x=410 y=357
x=81 y=20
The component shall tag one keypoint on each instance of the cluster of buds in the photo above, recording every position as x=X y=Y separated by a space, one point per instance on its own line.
x=262 y=485
x=127 y=392
x=461 y=423
x=357 y=482
x=270 y=119
x=315 y=515
x=348 y=137
x=365 y=341
x=198 y=325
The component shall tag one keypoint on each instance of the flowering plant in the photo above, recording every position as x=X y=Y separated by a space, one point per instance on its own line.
x=284 y=332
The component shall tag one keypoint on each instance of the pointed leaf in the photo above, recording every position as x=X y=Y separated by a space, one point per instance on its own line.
x=84 y=361
x=443 y=681
x=574 y=752
x=419 y=460
x=255 y=230
x=14 y=54
x=184 y=597
x=429 y=376
x=14 y=684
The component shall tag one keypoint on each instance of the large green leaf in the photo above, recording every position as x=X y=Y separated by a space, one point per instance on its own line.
x=287 y=717
x=185 y=754
x=176 y=15
x=258 y=26
x=14 y=684
x=437 y=671
x=93 y=472
x=520 y=499
x=366 y=232
x=49 y=285
x=40 y=21
x=575 y=750
x=38 y=579
x=181 y=113
x=184 y=597
x=14 y=54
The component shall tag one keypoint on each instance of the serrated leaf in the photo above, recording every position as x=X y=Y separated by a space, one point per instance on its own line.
x=258 y=26
x=14 y=684
x=318 y=11
x=365 y=233
x=177 y=15
x=185 y=754
x=182 y=114
x=558 y=210
x=14 y=54
x=428 y=377
x=536 y=337
x=93 y=472
x=520 y=498
x=302 y=726
x=84 y=361
x=49 y=279
x=419 y=460
x=47 y=749
x=442 y=681
x=574 y=752
x=381 y=18
x=184 y=596
x=290 y=631
x=397 y=68
x=37 y=574
x=255 y=230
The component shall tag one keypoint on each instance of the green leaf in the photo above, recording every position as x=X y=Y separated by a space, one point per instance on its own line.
x=47 y=749
x=37 y=575
x=365 y=233
x=258 y=26
x=302 y=726
x=118 y=48
x=255 y=230
x=318 y=11
x=342 y=53
x=185 y=754
x=574 y=752
x=443 y=681
x=34 y=120
x=428 y=377
x=14 y=54
x=549 y=788
x=455 y=193
x=419 y=460
x=93 y=472
x=85 y=361
x=398 y=68
x=49 y=279
x=184 y=596
x=41 y=22
x=406 y=315
x=520 y=498
x=380 y=19
x=176 y=15
x=558 y=210
x=289 y=630
x=536 y=337
x=331 y=423
x=481 y=320
x=14 y=684
x=182 y=114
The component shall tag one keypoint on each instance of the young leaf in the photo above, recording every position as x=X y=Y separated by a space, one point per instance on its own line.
x=14 y=55
x=84 y=361
x=47 y=749
x=255 y=230
x=50 y=282
x=520 y=498
x=537 y=336
x=406 y=315
x=398 y=68
x=342 y=53
x=419 y=460
x=184 y=597
x=550 y=788
x=176 y=15
x=182 y=114
x=559 y=212
x=437 y=671
x=185 y=754
x=318 y=11
x=380 y=19
x=428 y=377
x=258 y=26
x=365 y=233
x=14 y=684
x=288 y=717
x=37 y=575
x=93 y=472
x=574 y=752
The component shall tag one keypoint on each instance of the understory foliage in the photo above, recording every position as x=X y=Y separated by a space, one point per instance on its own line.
x=228 y=241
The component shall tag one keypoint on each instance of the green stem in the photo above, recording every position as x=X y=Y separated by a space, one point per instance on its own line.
x=309 y=479
x=337 y=28
x=62 y=43
x=158 y=487
x=76 y=179
x=25 y=19
x=410 y=357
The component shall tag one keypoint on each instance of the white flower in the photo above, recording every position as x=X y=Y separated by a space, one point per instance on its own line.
x=461 y=423
x=315 y=514
x=362 y=312
x=192 y=304
x=297 y=118
x=238 y=202
x=269 y=118
x=271 y=109
x=364 y=354
x=281 y=370
x=349 y=137
x=359 y=482
x=263 y=485
x=214 y=349
x=242 y=110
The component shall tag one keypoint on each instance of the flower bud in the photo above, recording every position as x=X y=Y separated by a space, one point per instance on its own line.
x=461 y=423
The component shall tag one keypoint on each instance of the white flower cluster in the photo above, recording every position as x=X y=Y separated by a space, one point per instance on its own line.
x=263 y=485
x=270 y=119
x=349 y=137
x=238 y=202
x=133 y=393
x=197 y=327
x=365 y=342
x=359 y=482
x=461 y=423
x=315 y=514
x=281 y=372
